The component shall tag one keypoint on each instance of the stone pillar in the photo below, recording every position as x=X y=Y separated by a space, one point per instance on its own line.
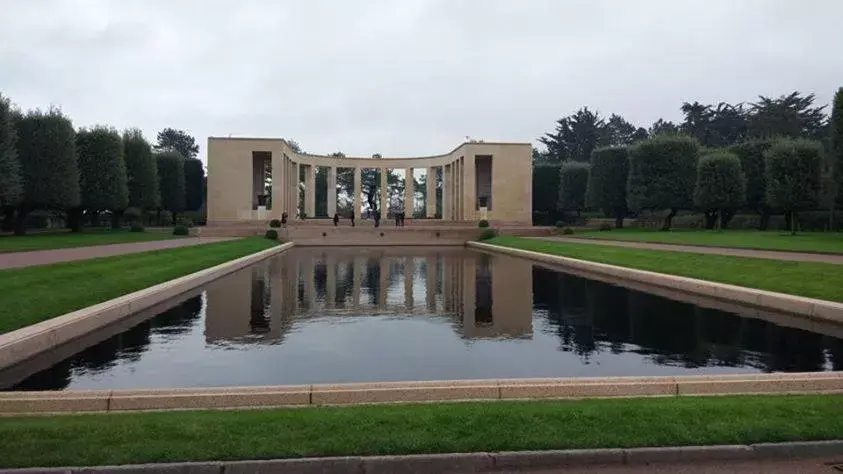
x=430 y=283
x=310 y=191
x=384 y=203
x=330 y=281
x=277 y=192
x=409 y=192
x=446 y=193
x=409 y=274
x=430 y=182
x=297 y=182
x=469 y=191
x=358 y=183
x=457 y=190
x=383 y=281
x=332 y=192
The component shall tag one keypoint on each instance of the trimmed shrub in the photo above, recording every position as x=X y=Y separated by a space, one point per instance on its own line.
x=567 y=231
x=141 y=171
x=185 y=221
x=835 y=127
x=181 y=230
x=271 y=234
x=560 y=224
x=605 y=227
x=488 y=234
x=135 y=227
x=751 y=155
x=275 y=223
x=793 y=176
x=102 y=169
x=721 y=186
x=194 y=184
x=607 y=182
x=132 y=215
x=11 y=185
x=483 y=224
x=171 y=181
x=573 y=181
x=662 y=174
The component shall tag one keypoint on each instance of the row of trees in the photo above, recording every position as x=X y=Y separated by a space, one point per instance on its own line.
x=776 y=156
x=45 y=164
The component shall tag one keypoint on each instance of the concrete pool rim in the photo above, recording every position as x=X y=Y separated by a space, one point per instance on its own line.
x=25 y=343
x=103 y=401
x=816 y=309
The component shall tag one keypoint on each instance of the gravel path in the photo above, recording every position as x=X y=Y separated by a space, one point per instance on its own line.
x=46 y=257
x=768 y=254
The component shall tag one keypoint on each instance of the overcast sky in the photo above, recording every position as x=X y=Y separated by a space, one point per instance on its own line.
x=405 y=77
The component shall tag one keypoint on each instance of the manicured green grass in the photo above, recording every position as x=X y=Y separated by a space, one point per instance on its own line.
x=815 y=280
x=58 y=240
x=33 y=294
x=74 y=440
x=821 y=242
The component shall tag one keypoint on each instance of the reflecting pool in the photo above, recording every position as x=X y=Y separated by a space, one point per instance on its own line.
x=319 y=315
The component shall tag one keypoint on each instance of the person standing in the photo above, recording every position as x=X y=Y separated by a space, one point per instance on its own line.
x=336 y=219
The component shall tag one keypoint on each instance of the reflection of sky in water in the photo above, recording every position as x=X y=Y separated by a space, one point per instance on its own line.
x=449 y=314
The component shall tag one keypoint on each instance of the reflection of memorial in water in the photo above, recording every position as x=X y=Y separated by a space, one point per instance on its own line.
x=591 y=317
x=261 y=303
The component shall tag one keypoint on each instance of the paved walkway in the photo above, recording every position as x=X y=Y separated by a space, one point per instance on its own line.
x=45 y=257
x=768 y=254
x=779 y=466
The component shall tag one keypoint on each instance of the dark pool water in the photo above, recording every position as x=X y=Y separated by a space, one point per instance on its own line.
x=333 y=315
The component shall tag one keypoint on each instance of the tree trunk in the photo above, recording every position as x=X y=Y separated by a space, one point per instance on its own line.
x=158 y=217
x=765 y=220
x=74 y=217
x=8 y=220
x=788 y=220
x=115 y=219
x=793 y=223
x=619 y=221
x=20 y=221
x=725 y=218
x=719 y=220
x=710 y=219
x=668 y=219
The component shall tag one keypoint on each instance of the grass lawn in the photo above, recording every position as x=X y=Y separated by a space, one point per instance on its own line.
x=58 y=240
x=74 y=440
x=821 y=242
x=34 y=294
x=815 y=280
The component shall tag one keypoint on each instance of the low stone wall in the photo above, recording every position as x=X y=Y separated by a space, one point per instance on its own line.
x=13 y=403
x=815 y=309
x=25 y=343
x=325 y=234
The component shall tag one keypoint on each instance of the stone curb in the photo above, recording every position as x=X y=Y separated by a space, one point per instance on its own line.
x=472 y=462
x=110 y=401
x=25 y=343
x=812 y=308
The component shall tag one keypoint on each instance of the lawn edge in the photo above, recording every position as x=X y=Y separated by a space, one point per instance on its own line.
x=30 y=341
x=480 y=461
x=815 y=309
x=757 y=249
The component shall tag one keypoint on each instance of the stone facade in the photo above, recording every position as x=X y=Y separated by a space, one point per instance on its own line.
x=498 y=175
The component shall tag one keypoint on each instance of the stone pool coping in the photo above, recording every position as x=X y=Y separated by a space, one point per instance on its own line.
x=102 y=401
x=28 y=342
x=812 y=308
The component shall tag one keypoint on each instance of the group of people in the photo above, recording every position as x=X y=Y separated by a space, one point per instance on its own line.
x=399 y=219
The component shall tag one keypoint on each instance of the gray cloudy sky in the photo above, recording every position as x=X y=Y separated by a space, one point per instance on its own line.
x=405 y=77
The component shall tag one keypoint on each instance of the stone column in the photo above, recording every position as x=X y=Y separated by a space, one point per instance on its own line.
x=470 y=188
x=310 y=191
x=446 y=194
x=409 y=274
x=430 y=284
x=457 y=190
x=409 y=192
x=430 y=205
x=296 y=181
x=383 y=281
x=384 y=204
x=277 y=186
x=332 y=192
x=358 y=183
